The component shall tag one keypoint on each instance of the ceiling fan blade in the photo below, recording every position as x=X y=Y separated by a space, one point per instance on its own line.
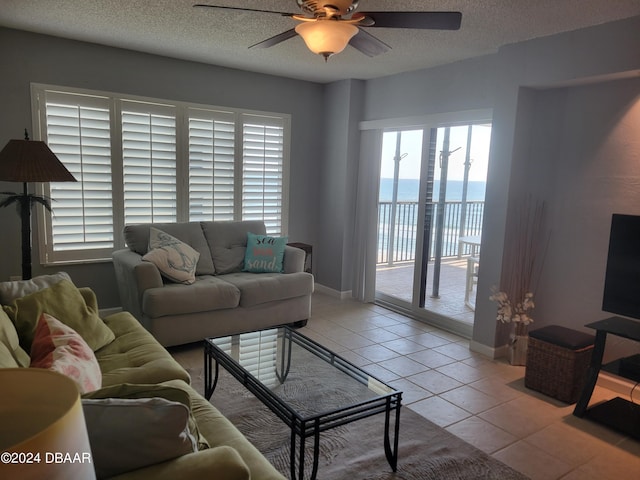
x=368 y=44
x=203 y=5
x=417 y=20
x=270 y=42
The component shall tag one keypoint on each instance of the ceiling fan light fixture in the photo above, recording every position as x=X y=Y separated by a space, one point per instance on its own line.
x=326 y=37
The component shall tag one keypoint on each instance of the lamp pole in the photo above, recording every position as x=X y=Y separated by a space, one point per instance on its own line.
x=25 y=216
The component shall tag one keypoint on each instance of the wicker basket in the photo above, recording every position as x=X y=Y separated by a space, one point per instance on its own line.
x=556 y=367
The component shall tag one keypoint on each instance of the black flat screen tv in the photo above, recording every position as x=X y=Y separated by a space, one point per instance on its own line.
x=622 y=278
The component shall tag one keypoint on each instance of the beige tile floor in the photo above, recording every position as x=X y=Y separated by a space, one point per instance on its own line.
x=484 y=402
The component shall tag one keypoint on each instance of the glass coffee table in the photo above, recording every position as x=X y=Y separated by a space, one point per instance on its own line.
x=285 y=370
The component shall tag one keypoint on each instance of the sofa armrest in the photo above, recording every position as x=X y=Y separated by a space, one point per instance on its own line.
x=293 y=259
x=134 y=276
x=220 y=462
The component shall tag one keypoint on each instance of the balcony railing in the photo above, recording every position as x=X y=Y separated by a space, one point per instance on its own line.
x=397 y=233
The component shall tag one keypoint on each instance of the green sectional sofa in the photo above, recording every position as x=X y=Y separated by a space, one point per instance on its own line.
x=223 y=298
x=132 y=358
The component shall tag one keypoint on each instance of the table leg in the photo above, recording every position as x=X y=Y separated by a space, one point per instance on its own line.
x=300 y=456
x=392 y=453
x=209 y=382
x=301 y=452
x=592 y=375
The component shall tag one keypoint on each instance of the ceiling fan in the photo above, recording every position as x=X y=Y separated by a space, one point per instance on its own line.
x=327 y=26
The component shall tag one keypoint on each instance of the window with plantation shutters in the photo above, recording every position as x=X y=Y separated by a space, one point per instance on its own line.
x=78 y=132
x=211 y=165
x=148 y=163
x=262 y=170
x=143 y=160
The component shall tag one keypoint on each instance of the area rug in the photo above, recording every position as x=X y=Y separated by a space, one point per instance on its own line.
x=355 y=451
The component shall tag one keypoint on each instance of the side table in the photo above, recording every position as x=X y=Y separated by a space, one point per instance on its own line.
x=617 y=413
x=308 y=250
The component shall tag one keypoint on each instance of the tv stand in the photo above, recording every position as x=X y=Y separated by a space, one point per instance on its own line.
x=617 y=413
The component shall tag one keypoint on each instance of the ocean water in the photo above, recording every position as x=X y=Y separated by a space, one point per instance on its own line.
x=405 y=229
x=408 y=190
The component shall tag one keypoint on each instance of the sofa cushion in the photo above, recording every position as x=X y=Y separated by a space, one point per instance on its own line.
x=126 y=434
x=9 y=291
x=137 y=239
x=257 y=288
x=135 y=356
x=175 y=259
x=6 y=358
x=9 y=339
x=206 y=294
x=65 y=302
x=224 y=463
x=171 y=393
x=264 y=254
x=219 y=431
x=59 y=348
x=228 y=242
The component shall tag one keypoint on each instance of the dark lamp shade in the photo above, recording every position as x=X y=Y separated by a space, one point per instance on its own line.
x=31 y=161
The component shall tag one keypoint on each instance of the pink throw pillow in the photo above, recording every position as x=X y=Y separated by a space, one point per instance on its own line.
x=60 y=348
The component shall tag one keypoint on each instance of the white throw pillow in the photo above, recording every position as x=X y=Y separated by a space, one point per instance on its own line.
x=126 y=434
x=176 y=260
x=9 y=291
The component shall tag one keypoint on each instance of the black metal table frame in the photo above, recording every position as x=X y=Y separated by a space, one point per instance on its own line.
x=312 y=426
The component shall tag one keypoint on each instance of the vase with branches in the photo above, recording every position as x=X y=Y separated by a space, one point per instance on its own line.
x=525 y=246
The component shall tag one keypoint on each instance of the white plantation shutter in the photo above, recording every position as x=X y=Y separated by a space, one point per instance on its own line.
x=255 y=351
x=149 y=163
x=141 y=160
x=258 y=351
x=262 y=170
x=211 y=165
x=78 y=131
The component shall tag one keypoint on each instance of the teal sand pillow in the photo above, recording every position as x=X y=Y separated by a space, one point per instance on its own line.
x=264 y=254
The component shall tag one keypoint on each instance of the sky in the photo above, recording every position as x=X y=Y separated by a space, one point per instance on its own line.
x=411 y=145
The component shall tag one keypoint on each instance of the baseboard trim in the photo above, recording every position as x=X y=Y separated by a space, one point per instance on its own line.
x=487 y=351
x=319 y=288
x=620 y=385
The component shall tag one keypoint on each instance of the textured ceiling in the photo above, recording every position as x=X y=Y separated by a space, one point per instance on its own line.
x=174 y=28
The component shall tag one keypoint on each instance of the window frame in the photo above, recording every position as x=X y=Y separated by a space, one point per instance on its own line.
x=182 y=146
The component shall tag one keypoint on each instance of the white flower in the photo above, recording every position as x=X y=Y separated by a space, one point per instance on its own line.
x=507 y=313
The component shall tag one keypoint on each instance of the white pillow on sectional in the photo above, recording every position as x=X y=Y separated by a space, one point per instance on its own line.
x=176 y=260
x=9 y=291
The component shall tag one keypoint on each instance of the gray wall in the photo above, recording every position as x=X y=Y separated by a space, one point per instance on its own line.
x=529 y=143
x=595 y=159
x=28 y=57
x=337 y=181
x=534 y=88
x=467 y=85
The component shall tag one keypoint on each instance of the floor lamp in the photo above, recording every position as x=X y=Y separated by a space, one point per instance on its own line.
x=29 y=161
x=43 y=432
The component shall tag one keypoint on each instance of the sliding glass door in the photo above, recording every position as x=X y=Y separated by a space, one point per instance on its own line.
x=430 y=209
x=398 y=202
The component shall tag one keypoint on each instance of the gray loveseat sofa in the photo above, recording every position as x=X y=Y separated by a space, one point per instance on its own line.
x=223 y=299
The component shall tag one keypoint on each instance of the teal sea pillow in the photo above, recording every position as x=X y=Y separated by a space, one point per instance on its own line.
x=264 y=254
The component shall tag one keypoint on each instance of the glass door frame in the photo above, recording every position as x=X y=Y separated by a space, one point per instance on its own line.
x=429 y=125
